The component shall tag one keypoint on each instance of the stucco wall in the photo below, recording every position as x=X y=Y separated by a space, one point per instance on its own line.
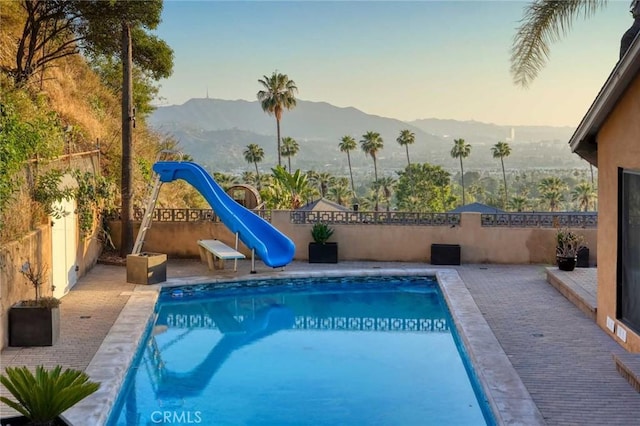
x=378 y=242
x=618 y=146
x=36 y=248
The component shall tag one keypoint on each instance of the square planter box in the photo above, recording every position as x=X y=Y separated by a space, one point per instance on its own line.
x=323 y=253
x=146 y=268
x=33 y=326
x=445 y=254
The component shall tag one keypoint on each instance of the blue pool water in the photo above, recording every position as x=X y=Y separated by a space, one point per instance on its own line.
x=345 y=351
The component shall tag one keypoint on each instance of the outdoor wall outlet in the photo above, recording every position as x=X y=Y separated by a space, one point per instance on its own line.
x=622 y=334
x=611 y=324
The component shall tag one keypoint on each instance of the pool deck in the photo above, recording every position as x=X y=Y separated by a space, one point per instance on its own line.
x=563 y=359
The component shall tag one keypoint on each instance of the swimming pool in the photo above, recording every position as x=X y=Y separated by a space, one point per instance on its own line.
x=330 y=351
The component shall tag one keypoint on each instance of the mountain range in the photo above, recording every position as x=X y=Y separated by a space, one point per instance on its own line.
x=215 y=132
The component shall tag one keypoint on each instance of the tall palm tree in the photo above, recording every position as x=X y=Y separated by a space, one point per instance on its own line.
x=277 y=95
x=289 y=149
x=544 y=22
x=405 y=139
x=254 y=154
x=386 y=184
x=371 y=143
x=551 y=183
x=583 y=194
x=347 y=144
x=461 y=150
x=501 y=150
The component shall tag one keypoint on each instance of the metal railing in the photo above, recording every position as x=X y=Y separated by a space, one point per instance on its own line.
x=541 y=220
x=509 y=220
x=180 y=215
x=375 y=218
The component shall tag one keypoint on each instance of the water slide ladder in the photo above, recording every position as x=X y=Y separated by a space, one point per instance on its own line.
x=147 y=217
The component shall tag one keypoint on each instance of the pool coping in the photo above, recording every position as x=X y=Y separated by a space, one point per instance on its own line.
x=507 y=396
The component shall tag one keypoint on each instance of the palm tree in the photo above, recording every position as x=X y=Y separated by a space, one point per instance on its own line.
x=340 y=194
x=289 y=149
x=405 y=139
x=544 y=22
x=324 y=180
x=501 y=150
x=552 y=199
x=278 y=95
x=583 y=194
x=518 y=203
x=386 y=184
x=461 y=150
x=551 y=183
x=295 y=184
x=254 y=154
x=226 y=181
x=371 y=143
x=347 y=144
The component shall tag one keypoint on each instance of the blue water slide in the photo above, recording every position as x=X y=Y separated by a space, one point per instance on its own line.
x=272 y=246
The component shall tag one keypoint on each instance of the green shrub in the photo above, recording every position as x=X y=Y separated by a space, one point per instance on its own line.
x=47 y=394
x=321 y=232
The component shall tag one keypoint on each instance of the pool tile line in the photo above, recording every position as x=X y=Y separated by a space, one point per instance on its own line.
x=111 y=362
x=509 y=399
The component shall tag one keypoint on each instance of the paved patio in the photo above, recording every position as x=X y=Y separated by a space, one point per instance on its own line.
x=563 y=358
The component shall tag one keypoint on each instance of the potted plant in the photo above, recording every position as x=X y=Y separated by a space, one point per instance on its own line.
x=42 y=398
x=34 y=322
x=568 y=243
x=320 y=250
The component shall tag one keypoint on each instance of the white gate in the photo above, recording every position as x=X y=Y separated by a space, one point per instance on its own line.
x=64 y=248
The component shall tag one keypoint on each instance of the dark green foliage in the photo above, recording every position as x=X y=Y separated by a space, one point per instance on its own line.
x=47 y=192
x=424 y=188
x=321 y=232
x=91 y=192
x=93 y=27
x=45 y=395
x=21 y=140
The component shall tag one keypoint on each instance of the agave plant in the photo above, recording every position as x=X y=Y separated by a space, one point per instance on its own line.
x=321 y=232
x=47 y=394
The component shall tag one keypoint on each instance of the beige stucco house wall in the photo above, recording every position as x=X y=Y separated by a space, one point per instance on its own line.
x=618 y=146
x=609 y=136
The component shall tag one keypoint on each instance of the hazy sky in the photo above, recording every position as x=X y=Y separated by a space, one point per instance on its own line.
x=406 y=60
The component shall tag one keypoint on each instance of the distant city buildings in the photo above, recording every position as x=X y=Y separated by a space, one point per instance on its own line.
x=512 y=135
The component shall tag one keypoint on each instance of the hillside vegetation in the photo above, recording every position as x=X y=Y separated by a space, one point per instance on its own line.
x=64 y=109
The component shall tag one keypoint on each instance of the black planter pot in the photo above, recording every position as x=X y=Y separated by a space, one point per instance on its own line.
x=445 y=254
x=323 y=253
x=566 y=263
x=23 y=421
x=33 y=326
